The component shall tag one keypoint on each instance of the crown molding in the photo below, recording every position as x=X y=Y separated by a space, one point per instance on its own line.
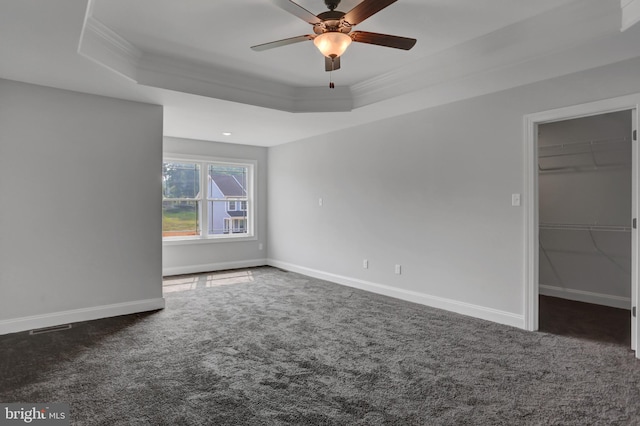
x=207 y=80
x=630 y=13
x=612 y=50
x=105 y=47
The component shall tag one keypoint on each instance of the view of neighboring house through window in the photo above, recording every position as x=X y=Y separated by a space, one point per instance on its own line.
x=225 y=205
x=227 y=192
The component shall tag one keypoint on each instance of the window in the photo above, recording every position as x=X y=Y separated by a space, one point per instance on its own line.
x=204 y=200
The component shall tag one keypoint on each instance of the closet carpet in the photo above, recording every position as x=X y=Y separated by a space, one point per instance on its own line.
x=266 y=347
x=585 y=320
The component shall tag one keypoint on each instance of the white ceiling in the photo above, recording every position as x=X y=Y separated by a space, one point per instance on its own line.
x=193 y=57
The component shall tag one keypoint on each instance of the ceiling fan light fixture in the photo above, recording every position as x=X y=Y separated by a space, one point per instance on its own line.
x=332 y=44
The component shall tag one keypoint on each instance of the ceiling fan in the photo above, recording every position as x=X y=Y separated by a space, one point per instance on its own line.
x=332 y=30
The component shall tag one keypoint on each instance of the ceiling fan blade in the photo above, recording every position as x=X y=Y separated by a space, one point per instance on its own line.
x=297 y=10
x=279 y=43
x=385 y=40
x=365 y=10
x=331 y=64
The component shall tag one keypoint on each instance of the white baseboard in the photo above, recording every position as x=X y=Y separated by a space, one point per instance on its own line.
x=210 y=267
x=76 y=315
x=586 y=296
x=475 y=311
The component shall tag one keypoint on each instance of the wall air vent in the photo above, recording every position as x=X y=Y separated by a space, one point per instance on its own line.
x=50 y=329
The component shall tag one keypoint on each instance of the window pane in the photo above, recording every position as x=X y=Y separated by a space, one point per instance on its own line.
x=228 y=187
x=180 y=180
x=227 y=181
x=225 y=221
x=180 y=218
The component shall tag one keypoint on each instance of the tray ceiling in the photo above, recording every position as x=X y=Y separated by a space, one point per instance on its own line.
x=219 y=33
x=193 y=57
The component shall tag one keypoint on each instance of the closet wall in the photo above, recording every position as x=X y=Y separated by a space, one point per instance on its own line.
x=585 y=209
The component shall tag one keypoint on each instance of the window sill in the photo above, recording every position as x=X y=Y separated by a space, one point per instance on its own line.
x=199 y=240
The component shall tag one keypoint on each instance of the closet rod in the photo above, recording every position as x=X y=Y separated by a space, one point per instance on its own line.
x=585 y=143
x=583 y=227
x=590 y=229
x=590 y=152
x=583 y=168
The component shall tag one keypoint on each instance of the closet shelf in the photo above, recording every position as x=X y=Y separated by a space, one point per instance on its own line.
x=583 y=227
x=585 y=155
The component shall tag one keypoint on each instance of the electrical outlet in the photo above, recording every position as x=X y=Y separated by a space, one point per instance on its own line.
x=320 y=202
x=260 y=246
x=515 y=200
x=365 y=264
x=398 y=269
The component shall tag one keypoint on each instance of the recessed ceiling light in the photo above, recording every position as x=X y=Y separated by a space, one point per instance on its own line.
x=226 y=133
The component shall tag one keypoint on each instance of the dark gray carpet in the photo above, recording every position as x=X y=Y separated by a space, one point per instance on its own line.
x=585 y=320
x=265 y=347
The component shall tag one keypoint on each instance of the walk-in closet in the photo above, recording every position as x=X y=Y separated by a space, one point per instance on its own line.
x=584 y=190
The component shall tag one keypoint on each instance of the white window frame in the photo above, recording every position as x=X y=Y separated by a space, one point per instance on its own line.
x=204 y=236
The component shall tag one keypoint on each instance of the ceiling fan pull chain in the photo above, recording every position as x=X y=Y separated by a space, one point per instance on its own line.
x=331 y=85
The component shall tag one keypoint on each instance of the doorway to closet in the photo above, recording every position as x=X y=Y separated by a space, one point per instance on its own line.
x=599 y=224
x=584 y=226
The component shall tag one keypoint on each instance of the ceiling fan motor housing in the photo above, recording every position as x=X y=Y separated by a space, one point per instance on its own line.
x=332 y=21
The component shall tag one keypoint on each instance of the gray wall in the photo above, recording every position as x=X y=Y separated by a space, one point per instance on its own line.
x=181 y=258
x=583 y=184
x=429 y=190
x=80 y=220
